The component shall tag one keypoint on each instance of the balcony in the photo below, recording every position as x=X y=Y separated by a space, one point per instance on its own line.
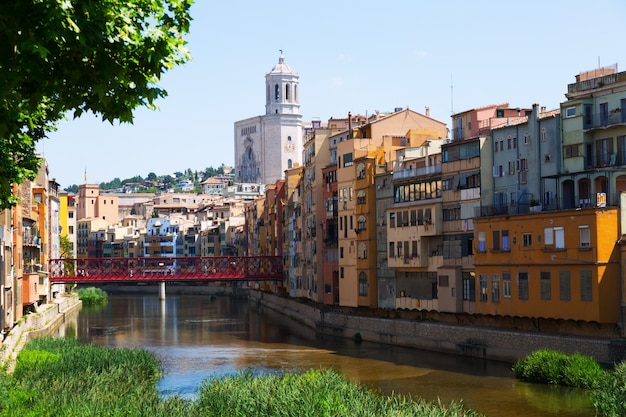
x=604 y=120
x=30 y=239
x=417 y=172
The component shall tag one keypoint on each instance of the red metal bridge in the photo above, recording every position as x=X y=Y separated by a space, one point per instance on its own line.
x=205 y=268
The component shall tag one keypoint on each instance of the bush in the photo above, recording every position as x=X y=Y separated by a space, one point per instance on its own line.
x=92 y=296
x=552 y=367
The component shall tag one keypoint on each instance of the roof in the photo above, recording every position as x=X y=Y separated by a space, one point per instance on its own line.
x=281 y=67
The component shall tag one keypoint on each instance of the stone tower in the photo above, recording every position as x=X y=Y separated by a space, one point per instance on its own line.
x=265 y=146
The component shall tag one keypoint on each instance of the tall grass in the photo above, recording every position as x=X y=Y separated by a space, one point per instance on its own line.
x=609 y=399
x=60 y=377
x=315 y=393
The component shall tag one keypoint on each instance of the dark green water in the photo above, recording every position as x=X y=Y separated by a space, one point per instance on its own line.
x=200 y=337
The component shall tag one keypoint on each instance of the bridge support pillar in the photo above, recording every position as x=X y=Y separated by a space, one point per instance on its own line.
x=162 y=290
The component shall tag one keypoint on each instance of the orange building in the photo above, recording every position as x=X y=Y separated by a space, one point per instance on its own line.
x=556 y=264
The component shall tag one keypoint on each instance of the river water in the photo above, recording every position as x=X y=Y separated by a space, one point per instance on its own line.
x=202 y=337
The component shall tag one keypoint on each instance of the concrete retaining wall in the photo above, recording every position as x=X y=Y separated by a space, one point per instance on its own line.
x=475 y=341
x=35 y=324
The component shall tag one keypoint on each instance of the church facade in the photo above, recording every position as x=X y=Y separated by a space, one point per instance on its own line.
x=267 y=145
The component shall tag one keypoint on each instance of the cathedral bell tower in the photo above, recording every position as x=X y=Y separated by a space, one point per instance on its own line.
x=267 y=145
x=281 y=85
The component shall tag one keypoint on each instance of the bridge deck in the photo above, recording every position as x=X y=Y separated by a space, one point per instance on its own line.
x=209 y=268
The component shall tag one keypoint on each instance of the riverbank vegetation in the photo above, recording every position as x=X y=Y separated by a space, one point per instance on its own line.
x=608 y=387
x=91 y=296
x=61 y=377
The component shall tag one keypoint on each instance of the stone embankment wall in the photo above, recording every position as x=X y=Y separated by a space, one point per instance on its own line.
x=466 y=340
x=35 y=324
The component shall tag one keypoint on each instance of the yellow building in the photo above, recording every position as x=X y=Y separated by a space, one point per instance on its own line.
x=67 y=218
x=557 y=264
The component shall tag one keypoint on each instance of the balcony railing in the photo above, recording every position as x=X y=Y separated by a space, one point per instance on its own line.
x=604 y=119
x=417 y=172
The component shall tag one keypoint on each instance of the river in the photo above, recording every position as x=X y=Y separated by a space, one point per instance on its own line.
x=200 y=337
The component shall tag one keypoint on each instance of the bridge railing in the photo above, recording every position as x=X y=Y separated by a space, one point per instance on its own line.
x=166 y=269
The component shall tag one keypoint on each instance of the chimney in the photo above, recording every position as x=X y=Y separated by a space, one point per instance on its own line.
x=350 y=122
x=543 y=109
x=427 y=111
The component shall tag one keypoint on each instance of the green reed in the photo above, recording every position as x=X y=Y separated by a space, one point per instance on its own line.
x=61 y=377
x=314 y=393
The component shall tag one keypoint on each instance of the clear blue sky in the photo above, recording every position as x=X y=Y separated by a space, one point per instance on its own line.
x=352 y=56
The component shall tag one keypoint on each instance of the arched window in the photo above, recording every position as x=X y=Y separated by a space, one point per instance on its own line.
x=289 y=163
x=361 y=223
x=362 y=284
x=360 y=171
x=288 y=138
x=276 y=92
x=287 y=92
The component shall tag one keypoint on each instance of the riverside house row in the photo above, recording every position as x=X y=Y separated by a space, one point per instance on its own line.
x=513 y=216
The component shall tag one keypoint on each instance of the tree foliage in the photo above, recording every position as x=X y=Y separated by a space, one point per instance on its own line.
x=60 y=57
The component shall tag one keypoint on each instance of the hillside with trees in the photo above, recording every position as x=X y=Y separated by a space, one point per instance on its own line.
x=153 y=183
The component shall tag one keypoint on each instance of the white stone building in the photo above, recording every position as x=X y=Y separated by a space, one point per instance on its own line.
x=265 y=146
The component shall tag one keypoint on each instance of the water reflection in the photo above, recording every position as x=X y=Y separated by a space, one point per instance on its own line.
x=200 y=337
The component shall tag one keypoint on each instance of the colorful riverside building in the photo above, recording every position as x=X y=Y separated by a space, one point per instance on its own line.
x=360 y=158
x=558 y=256
x=561 y=264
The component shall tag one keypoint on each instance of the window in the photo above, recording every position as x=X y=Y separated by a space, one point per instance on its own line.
x=505 y=241
x=496 y=240
x=70 y=215
x=392 y=219
x=287 y=92
x=495 y=288
x=360 y=171
x=392 y=250
x=276 y=92
x=604 y=152
x=527 y=240
x=469 y=287
x=482 y=245
x=526 y=138
x=570 y=112
x=585 y=236
x=543 y=134
x=585 y=285
x=341 y=273
x=546 y=286
x=347 y=160
x=444 y=281
x=71 y=230
x=522 y=285
x=506 y=284
x=361 y=223
x=360 y=197
x=362 y=284
x=571 y=151
x=564 y=286
x=482 y=278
